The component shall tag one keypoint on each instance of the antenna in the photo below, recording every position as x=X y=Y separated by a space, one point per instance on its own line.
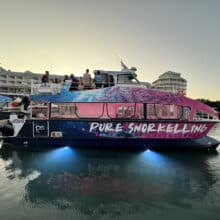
x=124 y=67
x=119 y=59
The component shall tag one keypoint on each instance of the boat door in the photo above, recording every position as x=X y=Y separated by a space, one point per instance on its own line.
x=40 y=128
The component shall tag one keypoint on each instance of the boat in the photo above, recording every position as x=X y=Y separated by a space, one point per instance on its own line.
x=121 y=113
x=13 y=106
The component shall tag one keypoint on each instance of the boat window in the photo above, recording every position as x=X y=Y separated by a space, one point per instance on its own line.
x=126 y=79
x=139 y=113
x=201 y=115
x=90 y=110
x=152 y=111
x=125 y=110
x=167 y=111
x=186 y=112
x=179 y=111
x=63 y=110
x=164 y=111
x=40 y=110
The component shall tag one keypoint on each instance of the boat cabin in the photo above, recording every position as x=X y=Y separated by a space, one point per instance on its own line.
x=118 y=110
x=110 y=78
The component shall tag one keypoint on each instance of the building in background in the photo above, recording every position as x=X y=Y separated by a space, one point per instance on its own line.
x=19 y=83
x=171 y=82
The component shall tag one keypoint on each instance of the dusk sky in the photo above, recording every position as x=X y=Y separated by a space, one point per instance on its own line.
x=68 y=36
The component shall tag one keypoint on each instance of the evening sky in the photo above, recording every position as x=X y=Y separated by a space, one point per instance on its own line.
x=68 y=36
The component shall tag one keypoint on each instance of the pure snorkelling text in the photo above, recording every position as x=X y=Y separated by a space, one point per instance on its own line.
x=132 y=127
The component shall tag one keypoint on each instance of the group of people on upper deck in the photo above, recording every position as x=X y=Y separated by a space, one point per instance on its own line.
x=84 y=82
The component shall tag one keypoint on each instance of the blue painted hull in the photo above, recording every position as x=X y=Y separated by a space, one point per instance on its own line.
x=37 y=135
x=105 y=143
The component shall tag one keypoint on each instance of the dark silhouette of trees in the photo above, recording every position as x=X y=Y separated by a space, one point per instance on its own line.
x=213 y=104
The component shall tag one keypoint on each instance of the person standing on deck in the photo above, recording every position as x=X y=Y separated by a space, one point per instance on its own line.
x=74 y=82
x=45 y=77
x=98 y=80
x=87 y=80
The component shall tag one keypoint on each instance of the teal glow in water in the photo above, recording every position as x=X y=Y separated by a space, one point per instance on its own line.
x=88 y=184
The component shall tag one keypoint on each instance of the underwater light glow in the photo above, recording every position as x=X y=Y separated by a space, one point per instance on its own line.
x=61 y=154
x=158 y=159
x=153 y=157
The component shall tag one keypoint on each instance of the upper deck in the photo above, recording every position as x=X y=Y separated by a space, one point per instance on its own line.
x=102 y=79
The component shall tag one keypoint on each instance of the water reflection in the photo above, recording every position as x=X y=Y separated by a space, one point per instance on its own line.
x=109 y=182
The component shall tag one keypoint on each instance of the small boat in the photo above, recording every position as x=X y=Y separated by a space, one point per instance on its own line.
x=121 y=114
x=13 y=106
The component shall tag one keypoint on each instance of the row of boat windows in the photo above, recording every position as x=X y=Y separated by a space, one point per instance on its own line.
x=109 y=110
x=201 y=115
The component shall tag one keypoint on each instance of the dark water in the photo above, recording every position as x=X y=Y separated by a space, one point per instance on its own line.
x=90 y=184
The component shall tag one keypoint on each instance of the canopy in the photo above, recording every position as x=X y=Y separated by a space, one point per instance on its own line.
x=4 y=99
